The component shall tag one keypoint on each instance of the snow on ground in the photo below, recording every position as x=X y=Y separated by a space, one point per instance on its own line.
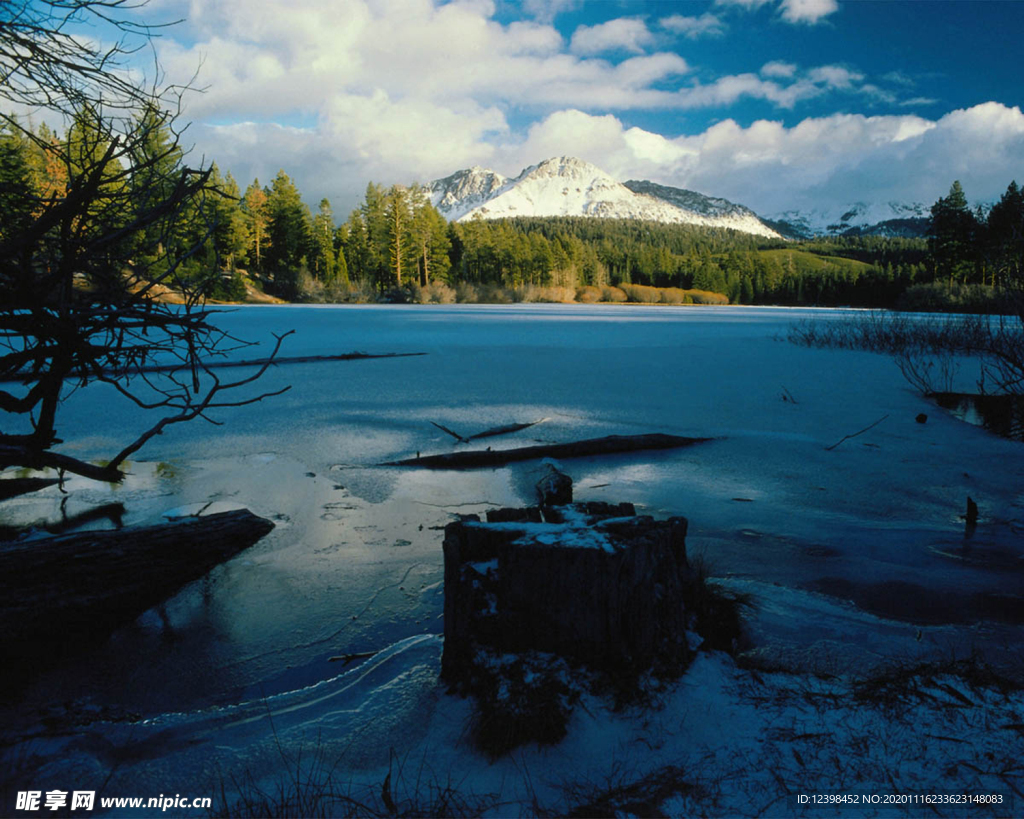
x=856 y=560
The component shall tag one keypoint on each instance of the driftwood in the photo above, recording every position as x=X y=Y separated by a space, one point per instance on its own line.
x=22 y=486
x=71 y=591
x=609 y=445
x=251 y=362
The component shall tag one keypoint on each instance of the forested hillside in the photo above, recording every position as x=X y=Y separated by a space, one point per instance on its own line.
x=397 y=247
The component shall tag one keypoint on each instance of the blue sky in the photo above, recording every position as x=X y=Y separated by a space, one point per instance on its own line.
x=776 y=104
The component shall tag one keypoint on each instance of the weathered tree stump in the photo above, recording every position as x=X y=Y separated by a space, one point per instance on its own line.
x=593 y=584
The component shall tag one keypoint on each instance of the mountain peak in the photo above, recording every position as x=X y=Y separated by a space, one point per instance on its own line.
x=570 y=186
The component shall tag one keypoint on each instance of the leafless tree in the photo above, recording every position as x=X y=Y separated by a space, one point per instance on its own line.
x=81 y=262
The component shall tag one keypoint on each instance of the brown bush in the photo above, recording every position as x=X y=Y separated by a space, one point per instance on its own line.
x=707 y=297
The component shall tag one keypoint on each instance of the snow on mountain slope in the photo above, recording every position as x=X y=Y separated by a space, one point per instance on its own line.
x=859 y=218
x=463 y=191
x=718 y=212
x=566 y=186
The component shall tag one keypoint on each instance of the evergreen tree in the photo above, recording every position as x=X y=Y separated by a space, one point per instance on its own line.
x=255 y=206
x=951 y=236
x=400 y=247
x=290 y=236
x=1006 y=234
x=324 y=261
x=430 y=237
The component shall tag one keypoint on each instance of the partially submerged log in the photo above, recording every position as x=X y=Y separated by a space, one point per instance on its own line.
x=609 y=445
x=253 y=362
x=72 y=590
x=13 y=487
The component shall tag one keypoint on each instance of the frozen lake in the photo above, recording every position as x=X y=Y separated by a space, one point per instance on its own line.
x=854 y=555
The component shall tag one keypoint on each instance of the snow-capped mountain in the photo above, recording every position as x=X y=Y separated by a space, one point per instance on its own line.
x=858 y=219
x=464 y=191
x=719 y=212
x=566 y=186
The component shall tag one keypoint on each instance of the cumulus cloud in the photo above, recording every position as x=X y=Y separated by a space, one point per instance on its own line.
x=807 y=11
x=398 y=90
x=624 y=34
x=819 y=162
x=548 y=10
x=727 y=90
x=777 y=68
x=707 y=25
x=834 y=76
x=748 y=4
x=792 y=11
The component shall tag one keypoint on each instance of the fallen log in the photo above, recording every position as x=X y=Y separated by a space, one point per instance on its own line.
x=250 y=362
x=278 y=360
x=609 y=445
x=70 y=591
x=13 y=487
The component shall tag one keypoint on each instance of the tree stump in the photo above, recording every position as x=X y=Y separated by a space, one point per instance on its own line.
x=592 y=583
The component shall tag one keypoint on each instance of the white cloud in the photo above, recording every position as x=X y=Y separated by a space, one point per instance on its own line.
x=707 y=25
x=399 y=90
x=792 y=11
x=824 y=161
x=624 y=34
x=807 y=11
x=748 y=4
x=834 y=76
x=548 y=10
x=778 y=69
x=727 y=90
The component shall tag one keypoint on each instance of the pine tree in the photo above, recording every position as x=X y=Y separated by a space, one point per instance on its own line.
x=325 y=259
x=257 y=212
x=398 y=213
x=1006 y=234
x=430 y=237
x=290 y=235
x=952 y=236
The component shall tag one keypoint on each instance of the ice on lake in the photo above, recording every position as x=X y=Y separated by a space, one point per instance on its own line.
x=854 y=556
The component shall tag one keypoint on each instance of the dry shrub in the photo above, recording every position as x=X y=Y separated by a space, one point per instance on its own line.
x=673 y=295
x=558 y=294
x=466 y=293
x=493 y=294
x=641 y=293
x=441 y=293
x=707 y=297
x=612 y=294
x=433 y=293
x=588 y=295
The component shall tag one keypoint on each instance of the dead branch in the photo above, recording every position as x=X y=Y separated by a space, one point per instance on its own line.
x=855 y=434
